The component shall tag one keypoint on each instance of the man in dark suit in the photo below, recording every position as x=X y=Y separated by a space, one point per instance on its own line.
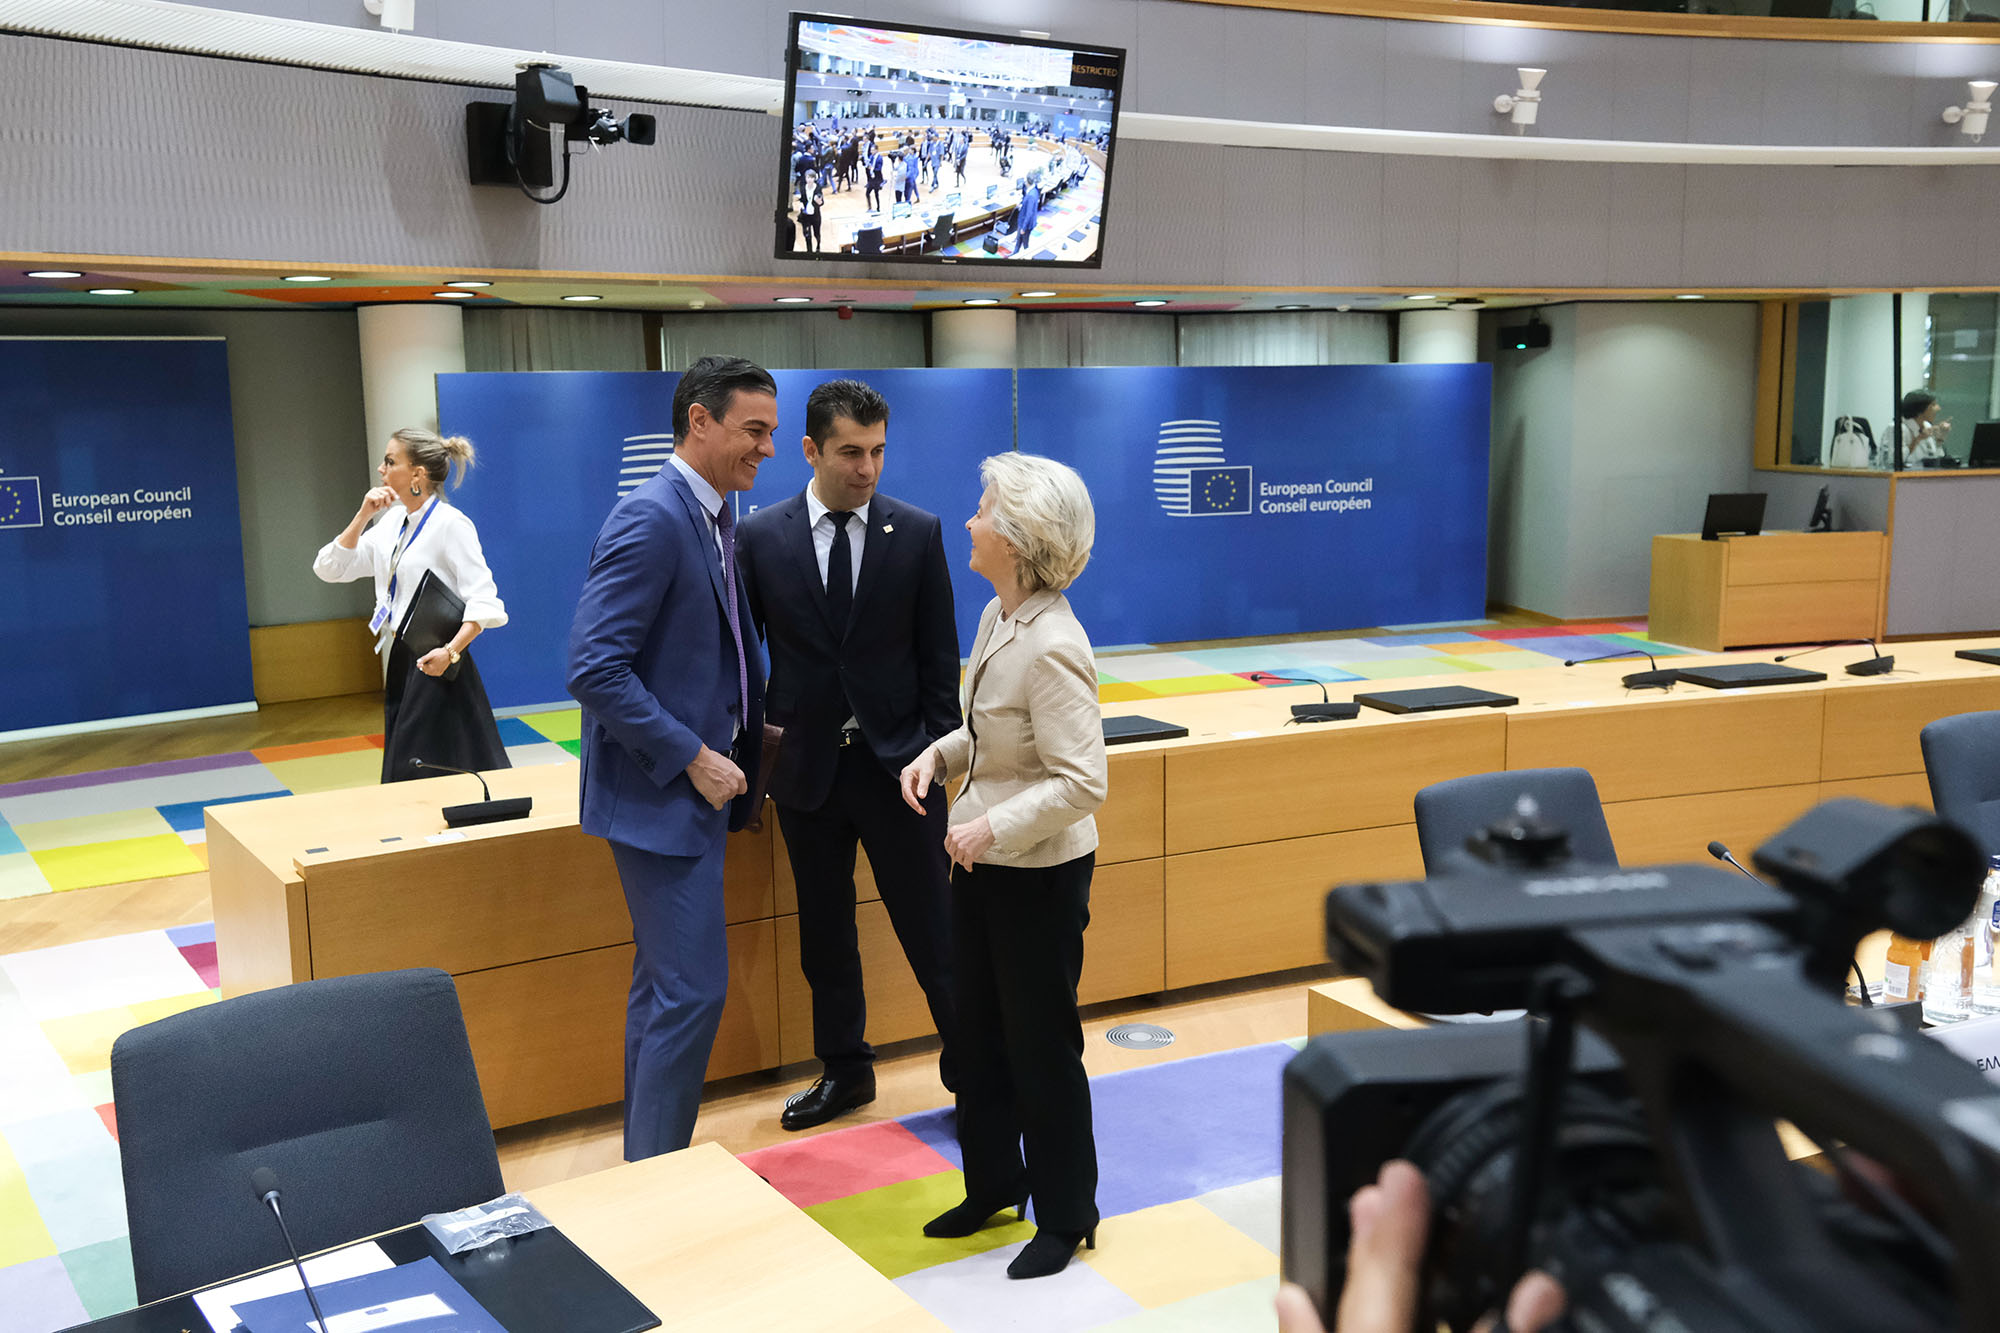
x=665 y=661
x=854 y=596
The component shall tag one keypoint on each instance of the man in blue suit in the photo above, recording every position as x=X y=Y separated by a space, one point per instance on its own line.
x=664 y=658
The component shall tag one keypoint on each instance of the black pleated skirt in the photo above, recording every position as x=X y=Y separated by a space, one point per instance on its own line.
x=436 y=720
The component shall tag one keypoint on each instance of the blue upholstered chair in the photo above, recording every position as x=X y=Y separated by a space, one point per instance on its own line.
x=359 y=1092
x=1450 y=812
x=1962 y=761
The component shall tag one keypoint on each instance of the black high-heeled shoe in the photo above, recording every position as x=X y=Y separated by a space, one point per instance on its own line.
x=971 y=1216
x=1050 y=1252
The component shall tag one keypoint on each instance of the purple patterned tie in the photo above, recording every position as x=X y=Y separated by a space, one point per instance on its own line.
x=725 y=524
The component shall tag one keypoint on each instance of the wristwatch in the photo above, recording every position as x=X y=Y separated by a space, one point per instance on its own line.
x=454 y=657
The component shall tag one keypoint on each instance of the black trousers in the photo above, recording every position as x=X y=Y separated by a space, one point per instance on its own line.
x=1019 y=945
x=906 y=852
x=439 y=721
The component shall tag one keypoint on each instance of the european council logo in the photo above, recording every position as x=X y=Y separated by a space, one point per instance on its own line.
x=643 y=456
x=20 y=502
x=1191 y=478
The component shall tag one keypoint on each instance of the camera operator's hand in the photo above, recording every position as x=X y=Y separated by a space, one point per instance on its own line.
x=1389 y=1222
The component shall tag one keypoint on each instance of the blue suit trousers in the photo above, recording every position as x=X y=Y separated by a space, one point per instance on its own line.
x=680 y=977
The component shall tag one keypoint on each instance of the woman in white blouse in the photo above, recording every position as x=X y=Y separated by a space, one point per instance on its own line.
x=1023 y=843
x=425 y=716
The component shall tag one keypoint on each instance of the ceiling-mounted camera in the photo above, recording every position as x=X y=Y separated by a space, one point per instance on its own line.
x=520 y=143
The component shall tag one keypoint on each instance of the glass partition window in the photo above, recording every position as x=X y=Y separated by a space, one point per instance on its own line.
x=1886 y=380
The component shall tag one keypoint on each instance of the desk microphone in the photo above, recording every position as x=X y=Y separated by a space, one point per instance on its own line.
x=1721 y=852
x=265 y=1181
x=1656 y=679
x=1877 y=665
x=1323 y=711
x=487 y=811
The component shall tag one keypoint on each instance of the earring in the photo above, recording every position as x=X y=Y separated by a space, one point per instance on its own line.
x=415 y=491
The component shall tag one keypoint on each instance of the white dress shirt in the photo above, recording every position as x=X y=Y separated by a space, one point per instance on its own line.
x=449 y=544
x=705 y=495
x=822 y=531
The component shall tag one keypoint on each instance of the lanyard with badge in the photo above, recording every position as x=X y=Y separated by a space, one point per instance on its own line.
x=403 y=545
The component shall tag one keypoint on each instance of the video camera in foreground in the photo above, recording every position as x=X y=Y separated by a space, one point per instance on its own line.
x=1639 y=1162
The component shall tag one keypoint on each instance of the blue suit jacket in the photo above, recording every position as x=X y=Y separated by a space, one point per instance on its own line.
x=652 y=662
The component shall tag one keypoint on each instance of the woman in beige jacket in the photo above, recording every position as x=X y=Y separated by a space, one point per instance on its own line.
x=1023 y=842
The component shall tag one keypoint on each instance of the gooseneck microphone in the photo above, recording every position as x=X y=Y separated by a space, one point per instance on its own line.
x=1878 y=665
x=1655 y=679
x=265 y=1181
x=1720 y=851
x=1323 y=711
x=486 y=811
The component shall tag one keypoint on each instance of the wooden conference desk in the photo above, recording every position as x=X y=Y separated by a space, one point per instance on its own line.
x=1780 y=587
x=1216 y=851
x=704 y=1244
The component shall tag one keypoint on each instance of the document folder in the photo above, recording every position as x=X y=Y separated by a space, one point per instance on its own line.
x=1125 y=730
x=1745 y=675
x=1435 y=700
x=433 y=620
x=417 y=1297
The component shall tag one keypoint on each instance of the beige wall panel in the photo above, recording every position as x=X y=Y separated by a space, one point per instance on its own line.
x=1679 y=828
x=1699 y=740
x=1873 y=732
x=313 y=660
x=1131 y=826
x=1322 y=781
x=1245 y=910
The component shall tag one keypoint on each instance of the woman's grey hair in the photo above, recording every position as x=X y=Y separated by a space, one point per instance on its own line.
x=1043 y=510
x=435 y=453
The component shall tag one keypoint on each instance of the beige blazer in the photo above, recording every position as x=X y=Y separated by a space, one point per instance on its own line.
x=1033 y=738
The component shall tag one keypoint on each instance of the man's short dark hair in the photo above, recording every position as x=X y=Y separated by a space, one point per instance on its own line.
x=1915 y=403
x=714 y=382
x=834 y=399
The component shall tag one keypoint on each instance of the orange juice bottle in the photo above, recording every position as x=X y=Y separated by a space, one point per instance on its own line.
x=1903 y=974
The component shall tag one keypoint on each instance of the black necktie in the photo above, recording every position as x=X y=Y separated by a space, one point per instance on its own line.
x=840 y=571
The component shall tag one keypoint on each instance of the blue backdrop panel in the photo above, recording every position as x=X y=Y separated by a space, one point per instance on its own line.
x=1242 y=501
x=556 y=450
x=121 y=549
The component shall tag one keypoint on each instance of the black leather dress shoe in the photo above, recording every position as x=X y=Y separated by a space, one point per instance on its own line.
x=834 y=1095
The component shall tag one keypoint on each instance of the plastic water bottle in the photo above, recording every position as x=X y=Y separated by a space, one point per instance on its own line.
x=1948 y=975
x=1985 y=932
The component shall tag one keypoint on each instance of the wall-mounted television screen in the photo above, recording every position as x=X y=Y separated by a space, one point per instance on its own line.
x=913 y=144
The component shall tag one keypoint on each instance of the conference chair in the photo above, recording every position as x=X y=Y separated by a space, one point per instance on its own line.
x=358 y=1092
x=868 y=241
x=1450 y=812
x=1962 y=761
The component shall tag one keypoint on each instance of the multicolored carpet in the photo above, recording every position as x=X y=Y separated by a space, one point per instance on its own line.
x=64 y=1256
x=145 y=822
x=1188 y=1160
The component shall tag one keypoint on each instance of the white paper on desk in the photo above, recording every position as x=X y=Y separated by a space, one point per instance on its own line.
x=219 y=1305
x=407 y=1310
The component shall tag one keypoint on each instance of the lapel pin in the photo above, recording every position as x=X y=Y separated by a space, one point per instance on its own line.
x=888 y=527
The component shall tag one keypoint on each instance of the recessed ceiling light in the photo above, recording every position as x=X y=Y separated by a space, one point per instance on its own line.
x=583 y=298
x=111 y=291
x=1422 y=296
x=793 y=300
x=1294 y=307
x=308 y=277
x=456 y=296
x=1153 y=302
x=469 y=282
x=1689 y=296
x=1031 y=295
x=981 y=300
x=54 y=273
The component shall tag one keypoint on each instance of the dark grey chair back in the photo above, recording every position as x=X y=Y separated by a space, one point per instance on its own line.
x=1962 y=761
x=1450 y=812
x=359 y=1092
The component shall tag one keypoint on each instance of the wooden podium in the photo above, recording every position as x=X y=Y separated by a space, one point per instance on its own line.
x=1781 y=587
